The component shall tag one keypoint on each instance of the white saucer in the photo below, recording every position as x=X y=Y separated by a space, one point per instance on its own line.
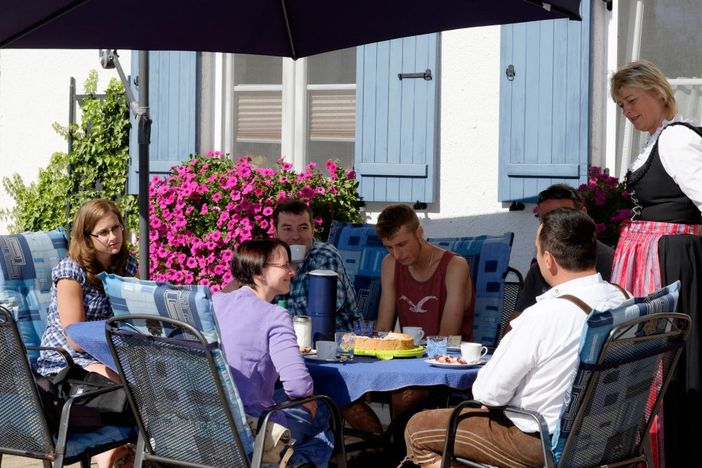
x=455 y=365
x=314 y=357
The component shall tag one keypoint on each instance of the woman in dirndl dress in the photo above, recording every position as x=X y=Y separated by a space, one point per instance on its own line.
x=662 y=243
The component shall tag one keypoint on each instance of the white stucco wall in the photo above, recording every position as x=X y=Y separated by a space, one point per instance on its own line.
x=33 y=95
x=468 y=162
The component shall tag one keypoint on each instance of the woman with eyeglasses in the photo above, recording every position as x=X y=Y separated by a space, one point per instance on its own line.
x=662 y=243
x=97 y=244
x=260 y=346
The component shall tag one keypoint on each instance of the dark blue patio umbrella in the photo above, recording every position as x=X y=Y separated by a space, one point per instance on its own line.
x=288 y=28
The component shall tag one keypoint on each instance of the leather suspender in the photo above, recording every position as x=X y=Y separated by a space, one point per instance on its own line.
x=624 y=292
x=577 y=301
x=583 y=305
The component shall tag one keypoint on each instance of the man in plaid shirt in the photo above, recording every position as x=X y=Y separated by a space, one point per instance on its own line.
x=294 y=224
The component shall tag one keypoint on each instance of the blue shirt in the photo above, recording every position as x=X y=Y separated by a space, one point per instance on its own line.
x=95 y=304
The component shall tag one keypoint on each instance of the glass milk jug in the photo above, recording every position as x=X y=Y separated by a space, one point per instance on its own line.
x=302 y=324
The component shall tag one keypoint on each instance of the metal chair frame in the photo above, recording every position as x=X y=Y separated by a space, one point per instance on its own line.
x=193 y=338
x=677 y=331
x=54 y=444
x=510 y=300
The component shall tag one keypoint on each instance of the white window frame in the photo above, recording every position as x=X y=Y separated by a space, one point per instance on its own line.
x=294 y=130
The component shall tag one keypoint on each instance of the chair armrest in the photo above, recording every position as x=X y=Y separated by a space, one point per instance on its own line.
x=543 y=431
x=67 y=357
x=447 y=456
x=264 y=418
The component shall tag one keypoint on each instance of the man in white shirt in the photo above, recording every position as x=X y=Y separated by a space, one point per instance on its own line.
x=535 y=363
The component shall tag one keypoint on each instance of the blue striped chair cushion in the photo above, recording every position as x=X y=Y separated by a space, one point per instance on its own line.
x=362 y=252
x=595 y=333
x=25 y=279
x=488 y=259
x=78 y=442
x=191 y=304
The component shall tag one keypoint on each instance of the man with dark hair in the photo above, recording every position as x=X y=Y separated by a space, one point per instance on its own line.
x=294 y=225
x=424 y=285
x=535 y=364
x=558 y=196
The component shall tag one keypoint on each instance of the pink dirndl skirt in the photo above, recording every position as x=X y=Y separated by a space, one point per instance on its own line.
x=636 y=267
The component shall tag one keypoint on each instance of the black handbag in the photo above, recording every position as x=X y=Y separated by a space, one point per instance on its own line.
x=86 y=414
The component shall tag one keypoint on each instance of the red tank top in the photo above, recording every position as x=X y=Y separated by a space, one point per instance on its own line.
x=421 y=303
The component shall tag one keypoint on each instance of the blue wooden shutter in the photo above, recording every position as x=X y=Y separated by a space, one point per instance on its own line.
x=396 y=120
x=544 y=110
x=173 y=107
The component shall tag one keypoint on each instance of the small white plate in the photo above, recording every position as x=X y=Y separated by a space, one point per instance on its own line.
x=310 y=353
x=455 y=365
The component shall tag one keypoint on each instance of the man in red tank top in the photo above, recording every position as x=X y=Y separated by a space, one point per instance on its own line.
x=422 y=284
x=425 y=286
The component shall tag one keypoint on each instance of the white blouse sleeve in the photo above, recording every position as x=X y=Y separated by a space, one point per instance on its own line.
x=680 y=150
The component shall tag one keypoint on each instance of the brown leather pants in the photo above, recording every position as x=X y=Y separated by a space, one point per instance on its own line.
x=482 y=436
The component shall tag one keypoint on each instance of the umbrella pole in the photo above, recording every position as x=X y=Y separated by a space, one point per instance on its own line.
x=144 y=138
x=140 y=109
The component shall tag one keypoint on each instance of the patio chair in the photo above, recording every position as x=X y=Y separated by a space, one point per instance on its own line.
x=184 y=399
x=627 y=358
x=514 y=282
x=26 y=261
x=25 y=430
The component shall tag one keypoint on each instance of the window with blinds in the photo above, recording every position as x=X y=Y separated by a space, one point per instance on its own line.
x=332 y=113
x=258 y=115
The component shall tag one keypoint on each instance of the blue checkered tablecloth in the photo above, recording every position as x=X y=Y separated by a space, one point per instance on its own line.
x=348 y=381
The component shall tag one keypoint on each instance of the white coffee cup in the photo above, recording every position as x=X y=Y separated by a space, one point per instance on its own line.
x=415 y=332
x=326 y=349
x=472 y=352
x=297 y=253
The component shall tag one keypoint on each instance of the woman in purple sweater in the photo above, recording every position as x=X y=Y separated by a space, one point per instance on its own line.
x=260 y=346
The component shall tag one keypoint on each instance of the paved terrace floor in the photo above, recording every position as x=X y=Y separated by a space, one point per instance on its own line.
x=10 y=461
x=355 y=459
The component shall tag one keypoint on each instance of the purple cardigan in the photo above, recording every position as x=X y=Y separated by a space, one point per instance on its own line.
x=259 y=343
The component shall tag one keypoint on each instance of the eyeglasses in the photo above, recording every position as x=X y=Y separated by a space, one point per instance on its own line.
x=284 y=266
x=558 y=194
x=104 y=234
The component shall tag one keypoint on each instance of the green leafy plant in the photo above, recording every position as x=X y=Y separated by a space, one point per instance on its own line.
x=95 y=168
x=607 y=202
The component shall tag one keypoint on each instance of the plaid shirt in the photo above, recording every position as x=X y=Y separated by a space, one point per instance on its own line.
x=96 y=307
x=324 y=256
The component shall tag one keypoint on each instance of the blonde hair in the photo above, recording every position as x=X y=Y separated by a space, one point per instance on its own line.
x=647 y=76
x=82 y=249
